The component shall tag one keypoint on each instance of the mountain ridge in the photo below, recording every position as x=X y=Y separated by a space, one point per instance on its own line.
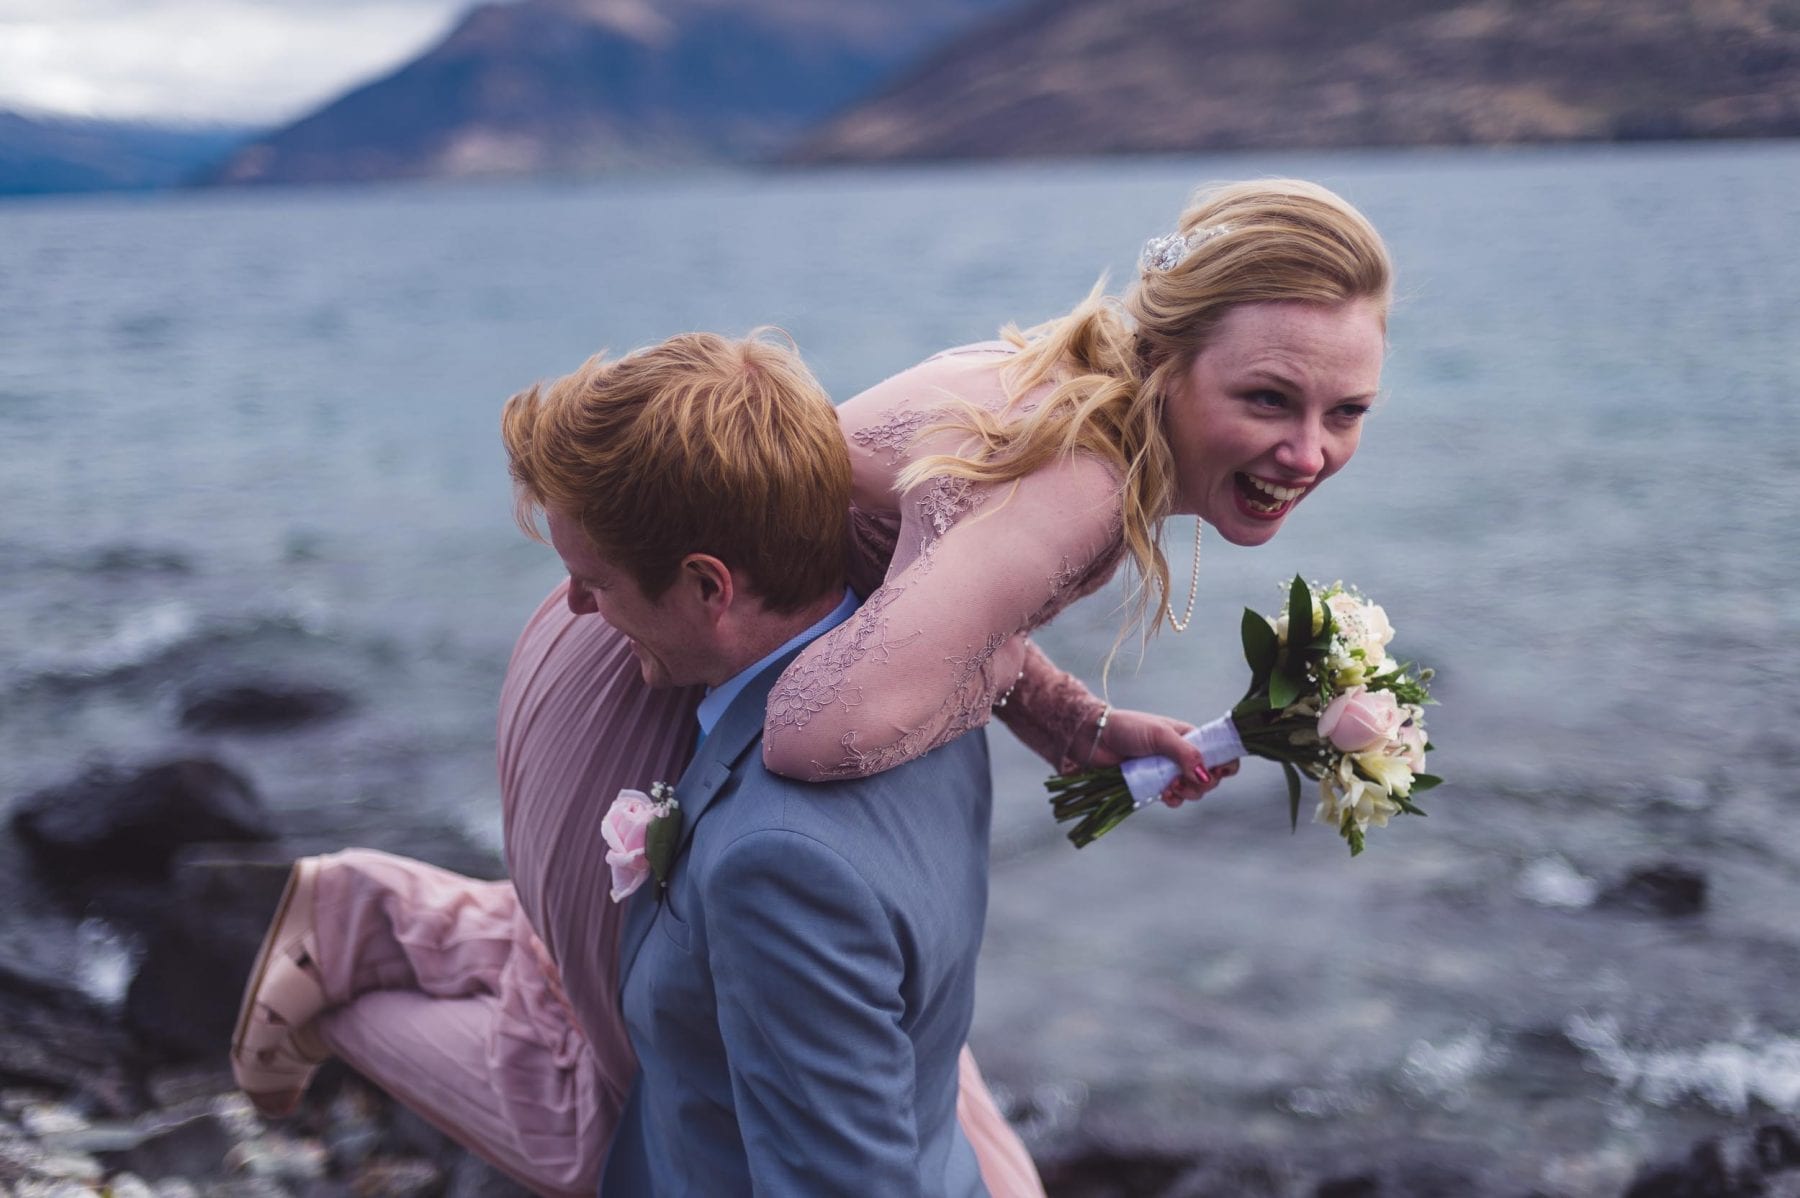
x=584 y=86
x=1068 y=77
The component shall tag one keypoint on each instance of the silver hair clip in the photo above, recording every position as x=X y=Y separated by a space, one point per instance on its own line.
x=1163 y=254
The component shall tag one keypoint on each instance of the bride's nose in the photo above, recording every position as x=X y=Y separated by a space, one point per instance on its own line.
x=1302 y=451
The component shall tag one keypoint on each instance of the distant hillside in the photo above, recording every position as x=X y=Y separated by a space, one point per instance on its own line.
x=42 y=154
x=578 y=86
x=1079 y=77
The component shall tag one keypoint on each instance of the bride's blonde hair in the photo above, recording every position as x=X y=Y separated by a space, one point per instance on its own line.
x=1113 y=362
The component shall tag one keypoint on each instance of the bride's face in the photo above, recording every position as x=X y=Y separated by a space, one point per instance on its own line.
x=1271 y=408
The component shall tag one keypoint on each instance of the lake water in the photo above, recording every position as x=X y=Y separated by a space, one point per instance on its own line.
x=257 y=432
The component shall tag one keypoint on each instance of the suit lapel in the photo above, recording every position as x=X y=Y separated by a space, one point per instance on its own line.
x=738 y=728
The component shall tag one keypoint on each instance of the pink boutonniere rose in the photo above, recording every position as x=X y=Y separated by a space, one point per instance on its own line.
x=640 y=833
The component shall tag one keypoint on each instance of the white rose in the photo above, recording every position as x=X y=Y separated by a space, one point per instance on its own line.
x=1391 y=772
x=1369 y=804
x=1361 y=624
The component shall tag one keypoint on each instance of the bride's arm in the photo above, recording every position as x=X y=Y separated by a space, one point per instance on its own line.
x=926 y=656
x=1049 y=710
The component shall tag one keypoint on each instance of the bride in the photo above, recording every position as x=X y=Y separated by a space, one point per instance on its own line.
x=992 y=486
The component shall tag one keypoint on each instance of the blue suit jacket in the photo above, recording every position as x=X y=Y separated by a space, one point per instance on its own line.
x=799 y=994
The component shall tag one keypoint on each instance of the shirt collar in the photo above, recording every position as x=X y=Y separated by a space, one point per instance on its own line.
x=719 y=698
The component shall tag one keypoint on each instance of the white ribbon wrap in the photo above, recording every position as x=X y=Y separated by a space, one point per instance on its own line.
x=1148 y=777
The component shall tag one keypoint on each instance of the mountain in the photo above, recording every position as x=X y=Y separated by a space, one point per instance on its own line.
x=1145 y=76
x=579 y=86
x=51 y=154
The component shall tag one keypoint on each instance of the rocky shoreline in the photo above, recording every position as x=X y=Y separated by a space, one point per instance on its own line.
x=134 y=1098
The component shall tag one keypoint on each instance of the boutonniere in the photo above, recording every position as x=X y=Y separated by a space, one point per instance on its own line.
x=641 y=832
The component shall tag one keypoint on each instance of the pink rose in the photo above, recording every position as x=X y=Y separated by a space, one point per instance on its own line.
x=624 y=827
x=1412 y=740
x=1360 y=719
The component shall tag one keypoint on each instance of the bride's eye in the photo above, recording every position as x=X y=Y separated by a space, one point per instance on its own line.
x=1268 y=401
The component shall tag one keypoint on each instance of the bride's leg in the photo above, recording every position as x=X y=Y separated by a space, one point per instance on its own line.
x=1006 y=1168
x=384 y=922
x=434 y=987
x=493 y=1058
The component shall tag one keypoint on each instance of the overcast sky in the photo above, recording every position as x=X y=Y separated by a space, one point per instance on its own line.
x=233 y=61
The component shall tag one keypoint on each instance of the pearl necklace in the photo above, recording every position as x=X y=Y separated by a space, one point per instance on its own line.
x=1187 y=617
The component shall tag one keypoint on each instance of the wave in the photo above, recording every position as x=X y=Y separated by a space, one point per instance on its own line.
x=113 y=558
x=1726 y=1075
x=160 y=639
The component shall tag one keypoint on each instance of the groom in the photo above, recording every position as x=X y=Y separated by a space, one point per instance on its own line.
x=797 y=980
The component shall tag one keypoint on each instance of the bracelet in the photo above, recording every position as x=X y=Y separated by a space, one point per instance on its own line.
x=1099 y=729
x=1008 y=692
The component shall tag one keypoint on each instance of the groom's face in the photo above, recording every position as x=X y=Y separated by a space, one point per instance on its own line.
x=671 y=647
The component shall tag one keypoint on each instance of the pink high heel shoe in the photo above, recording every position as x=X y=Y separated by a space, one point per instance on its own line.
x=276 y=1048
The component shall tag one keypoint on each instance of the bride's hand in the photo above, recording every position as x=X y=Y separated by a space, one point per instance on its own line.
x=1131 y=734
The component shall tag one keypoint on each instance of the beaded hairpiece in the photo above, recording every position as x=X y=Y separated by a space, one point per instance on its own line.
x=1163 y=254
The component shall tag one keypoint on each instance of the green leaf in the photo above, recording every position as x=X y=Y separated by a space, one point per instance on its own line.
x=1300 y=612
x=1283 y=689
x=1261 y=647
x=660 y=841
x=1293 y=783
x=1425 y=782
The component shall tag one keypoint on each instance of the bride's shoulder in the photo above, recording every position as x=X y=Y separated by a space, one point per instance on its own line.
x=968 y=372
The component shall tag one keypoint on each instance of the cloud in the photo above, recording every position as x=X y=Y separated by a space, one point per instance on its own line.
x=229 y=61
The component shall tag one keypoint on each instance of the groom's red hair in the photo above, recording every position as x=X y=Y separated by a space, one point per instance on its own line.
x=701 y=444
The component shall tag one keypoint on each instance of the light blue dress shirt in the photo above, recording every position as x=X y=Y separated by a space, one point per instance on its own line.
x=719 y=697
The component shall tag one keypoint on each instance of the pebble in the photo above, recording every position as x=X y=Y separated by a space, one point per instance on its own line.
x=279 y=1158
x=48 y=1119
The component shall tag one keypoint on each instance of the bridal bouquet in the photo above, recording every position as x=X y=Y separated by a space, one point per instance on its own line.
x=1325 y=700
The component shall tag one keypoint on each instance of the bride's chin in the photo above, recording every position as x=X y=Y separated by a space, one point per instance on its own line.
x=1246 y=538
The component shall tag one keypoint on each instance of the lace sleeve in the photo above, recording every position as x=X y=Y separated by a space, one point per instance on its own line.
x=925 y=657
x=1049 y=710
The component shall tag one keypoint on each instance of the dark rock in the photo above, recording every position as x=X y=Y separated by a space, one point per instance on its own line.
x=65 y=1041
x=182 y=1003
x=1107 y=1172
x=1235 y=1176
x=114 y=821
x=1406 y=1178
x=1666 y=889
x=1759 y=1163
x=191 y=1147
x=1777 y=1147
x=136 y=559
x=259 y=706
x=1363 y=1185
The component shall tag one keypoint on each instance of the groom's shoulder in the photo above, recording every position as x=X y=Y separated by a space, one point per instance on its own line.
x=943 y=795
x=959 y=766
